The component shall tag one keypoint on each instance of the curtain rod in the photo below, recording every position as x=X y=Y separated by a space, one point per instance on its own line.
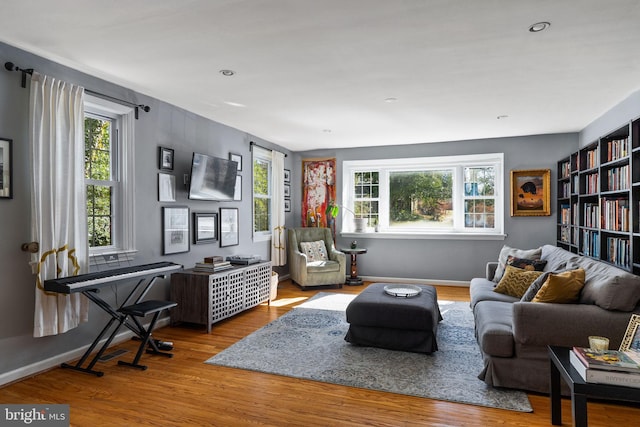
x=10 y=66
x=251 y=143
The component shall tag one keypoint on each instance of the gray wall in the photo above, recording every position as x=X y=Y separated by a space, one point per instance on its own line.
x=458 y=260
x=615 y=118
x=164 y=125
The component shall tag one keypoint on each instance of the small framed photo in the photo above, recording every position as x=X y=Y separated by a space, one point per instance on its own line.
x=237 y=193
x=166 y=159
x=287 y=175
x=175 y=230
x=531 y=192
x=166 y=187
x=6 y=169
x=236 y=158
x=287 y=205
x=229 y=235
x=287 y=190
x=631 y=340
x=205 y=228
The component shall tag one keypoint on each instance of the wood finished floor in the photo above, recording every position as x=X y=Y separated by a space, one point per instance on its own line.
x=183 y=391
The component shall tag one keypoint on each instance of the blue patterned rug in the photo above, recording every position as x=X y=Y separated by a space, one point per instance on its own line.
x=308 y=342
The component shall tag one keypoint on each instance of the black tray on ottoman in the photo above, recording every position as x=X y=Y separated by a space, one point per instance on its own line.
x=378 y=319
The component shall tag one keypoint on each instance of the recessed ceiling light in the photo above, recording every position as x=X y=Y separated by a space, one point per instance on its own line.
x=227 y=73
x=390 y=100
x=326 y=130
x=539 y=26
x=234 y=104
x=502 y=116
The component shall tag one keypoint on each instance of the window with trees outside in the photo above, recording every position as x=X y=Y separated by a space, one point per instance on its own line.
x=452 y=195
x=261 y=193
x=108 y=173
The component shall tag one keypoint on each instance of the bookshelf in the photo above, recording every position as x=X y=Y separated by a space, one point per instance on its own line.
x=598 y=203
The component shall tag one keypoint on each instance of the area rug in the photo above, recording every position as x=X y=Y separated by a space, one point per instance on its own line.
x=308 y=342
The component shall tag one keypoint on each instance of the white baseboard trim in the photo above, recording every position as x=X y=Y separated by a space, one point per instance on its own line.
x=415 y=281
x=57 y=360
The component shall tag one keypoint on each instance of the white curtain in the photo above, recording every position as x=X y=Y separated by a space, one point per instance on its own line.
x=58 y=209
x=278 y=237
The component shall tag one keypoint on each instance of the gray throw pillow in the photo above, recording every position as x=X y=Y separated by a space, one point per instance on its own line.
x=537 y=284
x=518 y=253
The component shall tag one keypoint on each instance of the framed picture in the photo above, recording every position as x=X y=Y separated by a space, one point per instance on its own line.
x=287 y=205
x=166 y=187
x=229 y=227
x=631 y=340
x=6 y=169
x=287 y=190
x=205 y=228
x=237 y=192
x=175 y=230
x=287 y=175
x=531 y=192
x=236 y=158
x=166 y=158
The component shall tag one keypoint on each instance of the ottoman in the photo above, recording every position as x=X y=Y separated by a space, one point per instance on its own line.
x=377 y=319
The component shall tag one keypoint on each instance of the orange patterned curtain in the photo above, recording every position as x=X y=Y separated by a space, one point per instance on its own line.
x=318 y=190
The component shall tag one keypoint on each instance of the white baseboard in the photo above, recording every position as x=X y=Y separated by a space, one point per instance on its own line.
x=57 y=360
x=415 y=281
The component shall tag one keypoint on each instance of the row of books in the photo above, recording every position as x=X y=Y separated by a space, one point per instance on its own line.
x=591 y=243
x=607 y=366
x=591 y=215
x=618 y=178
x=591 y=159
x=618 y=251
x=212 y=264
x=591 y=183
x=615 y=214
x=617 y=149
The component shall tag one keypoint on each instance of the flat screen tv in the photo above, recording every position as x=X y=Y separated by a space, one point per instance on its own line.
x=212 y=178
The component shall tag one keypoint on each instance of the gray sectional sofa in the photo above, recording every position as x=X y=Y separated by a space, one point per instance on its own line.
x=513 y=335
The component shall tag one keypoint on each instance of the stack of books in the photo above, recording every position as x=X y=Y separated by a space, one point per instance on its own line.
x=606 y=366
x=212 y=264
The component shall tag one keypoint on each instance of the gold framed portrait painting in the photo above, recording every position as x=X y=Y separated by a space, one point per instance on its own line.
x=531 y=192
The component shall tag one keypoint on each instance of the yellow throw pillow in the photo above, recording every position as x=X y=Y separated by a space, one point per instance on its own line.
x=516 y=281
x=562 y=287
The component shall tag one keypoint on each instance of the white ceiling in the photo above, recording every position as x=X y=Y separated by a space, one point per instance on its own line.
x=315 y=74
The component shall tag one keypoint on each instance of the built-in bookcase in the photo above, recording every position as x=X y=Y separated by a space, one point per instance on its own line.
x=598 y=203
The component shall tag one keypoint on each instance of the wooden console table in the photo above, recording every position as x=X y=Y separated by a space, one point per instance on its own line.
x=206 y=298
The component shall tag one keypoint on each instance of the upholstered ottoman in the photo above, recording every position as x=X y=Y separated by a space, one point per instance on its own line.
x=377 y=319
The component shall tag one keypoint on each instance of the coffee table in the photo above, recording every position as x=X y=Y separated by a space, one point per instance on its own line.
x=580 y=390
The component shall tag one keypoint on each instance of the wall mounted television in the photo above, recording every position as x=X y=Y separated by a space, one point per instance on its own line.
x=212 y=178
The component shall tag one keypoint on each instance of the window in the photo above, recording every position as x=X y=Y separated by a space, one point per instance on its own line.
x=261 y=193
x=108 y=166
x=426 y=196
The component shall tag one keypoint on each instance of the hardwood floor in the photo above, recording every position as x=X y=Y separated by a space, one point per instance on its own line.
x=183 y=391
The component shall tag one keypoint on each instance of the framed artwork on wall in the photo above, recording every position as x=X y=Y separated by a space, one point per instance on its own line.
x=287 y=190
x=229 y=235
x=166 y=187
x=287 y=176
x=6 y=169
x=631 y=340
x=318 y=190
x=531 y=192
x=166 y=158
x=175 y=230
x=205 y=228
x=287 y=205
x=237 y=192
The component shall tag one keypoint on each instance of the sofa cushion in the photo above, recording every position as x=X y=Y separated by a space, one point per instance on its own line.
x=315 y=251
x=609 y=287
x=493 y=327
x=561 y=288
x=526 y=264
x=482 y=290
x=519 y=253
x=516 y=281
x=322 y=266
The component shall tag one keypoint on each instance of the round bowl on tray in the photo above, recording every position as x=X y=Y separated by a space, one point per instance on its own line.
x=402 y=291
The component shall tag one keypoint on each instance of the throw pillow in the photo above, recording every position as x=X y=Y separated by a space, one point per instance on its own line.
x=526 y=264
x=520 y=253
x=537 y=284
x=315 y=251
x=562 y=287
x=516 y=281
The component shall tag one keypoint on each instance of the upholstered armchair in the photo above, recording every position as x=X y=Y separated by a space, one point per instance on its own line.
x=313 y=259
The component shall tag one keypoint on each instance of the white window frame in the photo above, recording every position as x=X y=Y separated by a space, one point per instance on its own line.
x=123 y=248
x=456 y=163
x=259 y=153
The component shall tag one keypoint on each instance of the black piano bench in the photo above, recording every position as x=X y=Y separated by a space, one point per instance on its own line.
x=143 y=309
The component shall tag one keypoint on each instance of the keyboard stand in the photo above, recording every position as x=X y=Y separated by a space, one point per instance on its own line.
x=116 y=316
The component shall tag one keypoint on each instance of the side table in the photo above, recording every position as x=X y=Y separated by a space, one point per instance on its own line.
x=353 y=279
x=580 y=389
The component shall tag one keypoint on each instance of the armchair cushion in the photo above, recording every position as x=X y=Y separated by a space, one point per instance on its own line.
x=315 y=251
